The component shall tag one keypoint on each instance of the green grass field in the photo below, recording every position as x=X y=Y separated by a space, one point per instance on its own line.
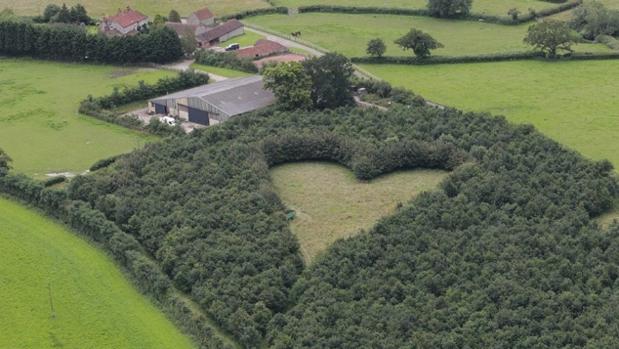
x=99 y=8
x=491 y=7
x=39 y=125
x=94 y=306
x=349 y=34
x=332 y=204
x=247 y=39
x=575 y=103
x=227 y=73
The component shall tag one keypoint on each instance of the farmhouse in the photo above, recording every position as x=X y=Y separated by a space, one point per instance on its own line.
x=214 y=103
x=125 y=22
x=201 y=17
x=220 y=33
x=262 y=48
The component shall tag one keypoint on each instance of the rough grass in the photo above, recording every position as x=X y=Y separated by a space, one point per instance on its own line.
x=349 y=33
x=576 y=103
x=99 y=8
x=490 y=7
x=331 y=204
x=39 y=124
x=94 y=306
x=227 y=73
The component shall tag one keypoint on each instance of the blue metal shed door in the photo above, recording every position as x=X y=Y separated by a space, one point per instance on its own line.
x=198 y=116
x=160 y=109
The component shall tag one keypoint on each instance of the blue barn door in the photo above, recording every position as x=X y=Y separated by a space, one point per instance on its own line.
x=198 y=116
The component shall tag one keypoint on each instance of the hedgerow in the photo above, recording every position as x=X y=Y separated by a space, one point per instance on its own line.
x=256 y=12
x=225 y=60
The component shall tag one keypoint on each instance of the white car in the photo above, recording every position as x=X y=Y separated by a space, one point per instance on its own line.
x=168 y=120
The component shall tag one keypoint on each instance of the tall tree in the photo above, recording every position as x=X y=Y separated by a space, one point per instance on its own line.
x=376 y=47
x=449 y=8
x=550 y=36
x=330 y=75
x=421 y=43
x=291 y=85
x=174 y=16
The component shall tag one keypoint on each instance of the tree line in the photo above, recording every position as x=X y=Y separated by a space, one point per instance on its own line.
x=72 y=43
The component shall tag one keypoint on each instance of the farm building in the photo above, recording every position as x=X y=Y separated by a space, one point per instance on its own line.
x=125 y=22
x=220 y=33
x=201 y=17
x=214 y=103
x=262 y=48
x=186 y=30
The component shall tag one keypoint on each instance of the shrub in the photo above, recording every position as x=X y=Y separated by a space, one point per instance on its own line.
x=226 y=60
x=54 y=180
x=256 y=12
x=449 y=8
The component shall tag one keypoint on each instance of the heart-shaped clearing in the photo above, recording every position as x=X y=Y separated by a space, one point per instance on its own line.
x=331 y=204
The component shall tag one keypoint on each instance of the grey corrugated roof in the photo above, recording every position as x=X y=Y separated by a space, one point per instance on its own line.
x=232 y=96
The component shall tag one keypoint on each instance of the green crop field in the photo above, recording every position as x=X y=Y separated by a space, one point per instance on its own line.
x=349 y=33
x=331 y=204
x=60 y=292
x=491 y=7
x=39 y=125
x=99 y=8
x=575 y=103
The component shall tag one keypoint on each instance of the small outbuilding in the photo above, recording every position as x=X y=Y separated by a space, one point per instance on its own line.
x=262 y=48
x=214 y=103
x=220 y=33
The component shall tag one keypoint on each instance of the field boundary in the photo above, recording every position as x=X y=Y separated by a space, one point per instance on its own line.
x=521 y=56
x=478 y=17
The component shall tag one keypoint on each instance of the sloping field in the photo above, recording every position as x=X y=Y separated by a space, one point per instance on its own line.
x=349 y=33
x=99 y=8
x=331 y=204
x=492 y=7
x=576 y=103
x=39 y=124
x=60 y=292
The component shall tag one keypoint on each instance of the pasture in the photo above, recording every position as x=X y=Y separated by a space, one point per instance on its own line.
x=490 y=7
x=331 y=204
x=575 y=103
x=98 y=8
x=39 y=125
x=349 y=33
x=60 y=292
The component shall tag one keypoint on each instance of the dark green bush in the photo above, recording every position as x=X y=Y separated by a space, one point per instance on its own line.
x=54 y=180
x=256 y=12
x=225 y=60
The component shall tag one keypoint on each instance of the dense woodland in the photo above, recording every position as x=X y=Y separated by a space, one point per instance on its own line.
x=504 y=255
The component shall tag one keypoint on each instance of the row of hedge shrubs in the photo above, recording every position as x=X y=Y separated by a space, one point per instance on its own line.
x=73 y=43
x=227 y=60
x=424 y=12
x=366 y=162
x=609 y=41
x=124 y=248
x=256 y=12
x=479 y=59
x=101 y=107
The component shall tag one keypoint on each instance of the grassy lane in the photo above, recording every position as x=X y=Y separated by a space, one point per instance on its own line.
x=576 y=103
x=491 y=7
x=101 y=8
x=60 y=292
x=349 y=34
x=39 y=124
x=332 y=204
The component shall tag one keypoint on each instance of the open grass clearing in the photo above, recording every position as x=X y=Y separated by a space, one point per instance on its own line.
x=575 y=103
x=40 y=127
x=610 y=217
x=58 y=291
x=227 y=73
x=349 y=33
x=331 y=204
x=99 y=8
x=489 y=7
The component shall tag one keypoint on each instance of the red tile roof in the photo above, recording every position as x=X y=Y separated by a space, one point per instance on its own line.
x=220 y=30
x=262 y=48
x=126 y=18
x=203 y=14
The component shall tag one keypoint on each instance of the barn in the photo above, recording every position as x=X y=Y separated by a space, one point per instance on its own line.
x=214 y=103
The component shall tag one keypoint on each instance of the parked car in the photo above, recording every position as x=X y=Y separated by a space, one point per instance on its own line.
x=168 y=120
x=233 y=47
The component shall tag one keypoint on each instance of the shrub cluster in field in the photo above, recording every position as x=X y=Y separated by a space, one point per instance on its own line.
x=204 y=207
x=226 y=60
x=72 y=43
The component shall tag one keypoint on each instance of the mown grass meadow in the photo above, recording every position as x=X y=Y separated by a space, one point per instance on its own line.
x=349 y=33
x=39 y=125
x=331 y=204
x=58 y=291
